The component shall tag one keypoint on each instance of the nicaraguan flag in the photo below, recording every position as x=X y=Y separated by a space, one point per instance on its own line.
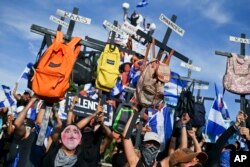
x=216 y=123
x=31 y=114
x=134 y=76
x=142 y=3
x=160 y=123
x=8 y=101
x=118 y=88
x=26 y=71
x=173 y=88
x=222 y=104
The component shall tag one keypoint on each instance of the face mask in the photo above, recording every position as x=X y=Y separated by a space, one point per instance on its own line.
x=149 y=154
x=71 y=137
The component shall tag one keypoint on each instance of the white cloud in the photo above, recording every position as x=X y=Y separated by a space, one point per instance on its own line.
x=215 y=12
x=211 y=9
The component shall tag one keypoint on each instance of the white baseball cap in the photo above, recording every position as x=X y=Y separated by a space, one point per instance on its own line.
x=151 y=136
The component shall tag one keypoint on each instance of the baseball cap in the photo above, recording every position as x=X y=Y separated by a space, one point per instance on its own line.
x=151 y=136
x=186 y=155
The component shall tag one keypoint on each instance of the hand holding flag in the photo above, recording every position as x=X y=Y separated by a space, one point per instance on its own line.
x=216 y=124
x=8 y=101
x=25 y=72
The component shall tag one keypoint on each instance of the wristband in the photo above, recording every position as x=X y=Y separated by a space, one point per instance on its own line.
x=183 y=126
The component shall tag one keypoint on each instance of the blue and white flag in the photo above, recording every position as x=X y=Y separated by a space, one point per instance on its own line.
x=118 y=88
x=222 y=104
x=160 y=123
x=216 y=124
x=173 y=88
x=26 y=71
x=8 y=101
x=142 y=3
x=134 y=76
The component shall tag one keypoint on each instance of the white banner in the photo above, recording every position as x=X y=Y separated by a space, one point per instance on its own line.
x=239 y=40
x=129 y=28
x=74 y=17
x=138 y=47
x=112 y=27
x=205 y=87
x=171 y=25
x=190 y=66
x=58 y=21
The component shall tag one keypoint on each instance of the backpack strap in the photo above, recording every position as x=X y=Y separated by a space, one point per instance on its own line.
x=59 y=37
x=146 y=53
x=153 y=47
x=167 y=59
x=74 y=45
x=46 y=41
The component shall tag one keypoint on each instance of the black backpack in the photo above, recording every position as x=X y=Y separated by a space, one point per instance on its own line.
x=198 y=117
x=185 y=103
x=84 y=68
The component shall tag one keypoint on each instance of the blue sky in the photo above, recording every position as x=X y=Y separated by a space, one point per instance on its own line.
x=207 y=24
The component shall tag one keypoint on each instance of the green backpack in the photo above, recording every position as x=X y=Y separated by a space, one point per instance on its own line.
x=121 y=117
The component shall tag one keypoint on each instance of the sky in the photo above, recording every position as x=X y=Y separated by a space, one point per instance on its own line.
x=207 y=24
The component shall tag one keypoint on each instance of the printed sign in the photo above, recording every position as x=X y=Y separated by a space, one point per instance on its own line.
x=58 y=21
x=87 y=106
x=239 y=40
x=112 y=27
x=171 y=25
x=190 y=66
x=129 y=28
x=138 y=47
x=204 y=87
x=74 y=17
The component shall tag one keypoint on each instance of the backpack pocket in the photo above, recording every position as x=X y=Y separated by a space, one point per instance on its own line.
x=46 y=84
x=107 y=78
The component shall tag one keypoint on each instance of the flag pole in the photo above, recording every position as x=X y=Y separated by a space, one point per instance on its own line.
x=20 y=76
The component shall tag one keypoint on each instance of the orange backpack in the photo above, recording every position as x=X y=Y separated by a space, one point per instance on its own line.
x=51 y=78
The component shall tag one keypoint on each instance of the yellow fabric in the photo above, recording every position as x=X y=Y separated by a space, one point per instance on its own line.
x=108 y=68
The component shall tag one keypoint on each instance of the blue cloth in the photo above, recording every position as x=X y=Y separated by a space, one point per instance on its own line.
x=216 y=123
x=26 y=71
x=225 y=158
x=8 y=101
x=142 y=3
x=160 y=123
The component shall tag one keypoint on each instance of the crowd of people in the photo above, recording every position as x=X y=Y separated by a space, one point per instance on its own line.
x=40 y=138
x=83 y=142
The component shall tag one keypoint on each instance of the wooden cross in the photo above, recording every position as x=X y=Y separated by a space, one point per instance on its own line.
x=201 y=84
x=243 y=41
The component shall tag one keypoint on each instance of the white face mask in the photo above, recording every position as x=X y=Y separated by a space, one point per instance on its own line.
x=71 y=137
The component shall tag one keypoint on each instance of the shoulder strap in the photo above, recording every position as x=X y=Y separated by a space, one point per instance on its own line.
x=46 y=41
x=74 y=45
x=153 y=48
x=167 y=59
x=59 y=36
x=147 y=51
x=74 y=41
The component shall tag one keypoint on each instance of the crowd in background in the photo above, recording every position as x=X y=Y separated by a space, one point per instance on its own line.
x=79 y=141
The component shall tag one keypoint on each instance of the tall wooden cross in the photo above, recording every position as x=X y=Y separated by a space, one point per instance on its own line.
x=243 y=41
